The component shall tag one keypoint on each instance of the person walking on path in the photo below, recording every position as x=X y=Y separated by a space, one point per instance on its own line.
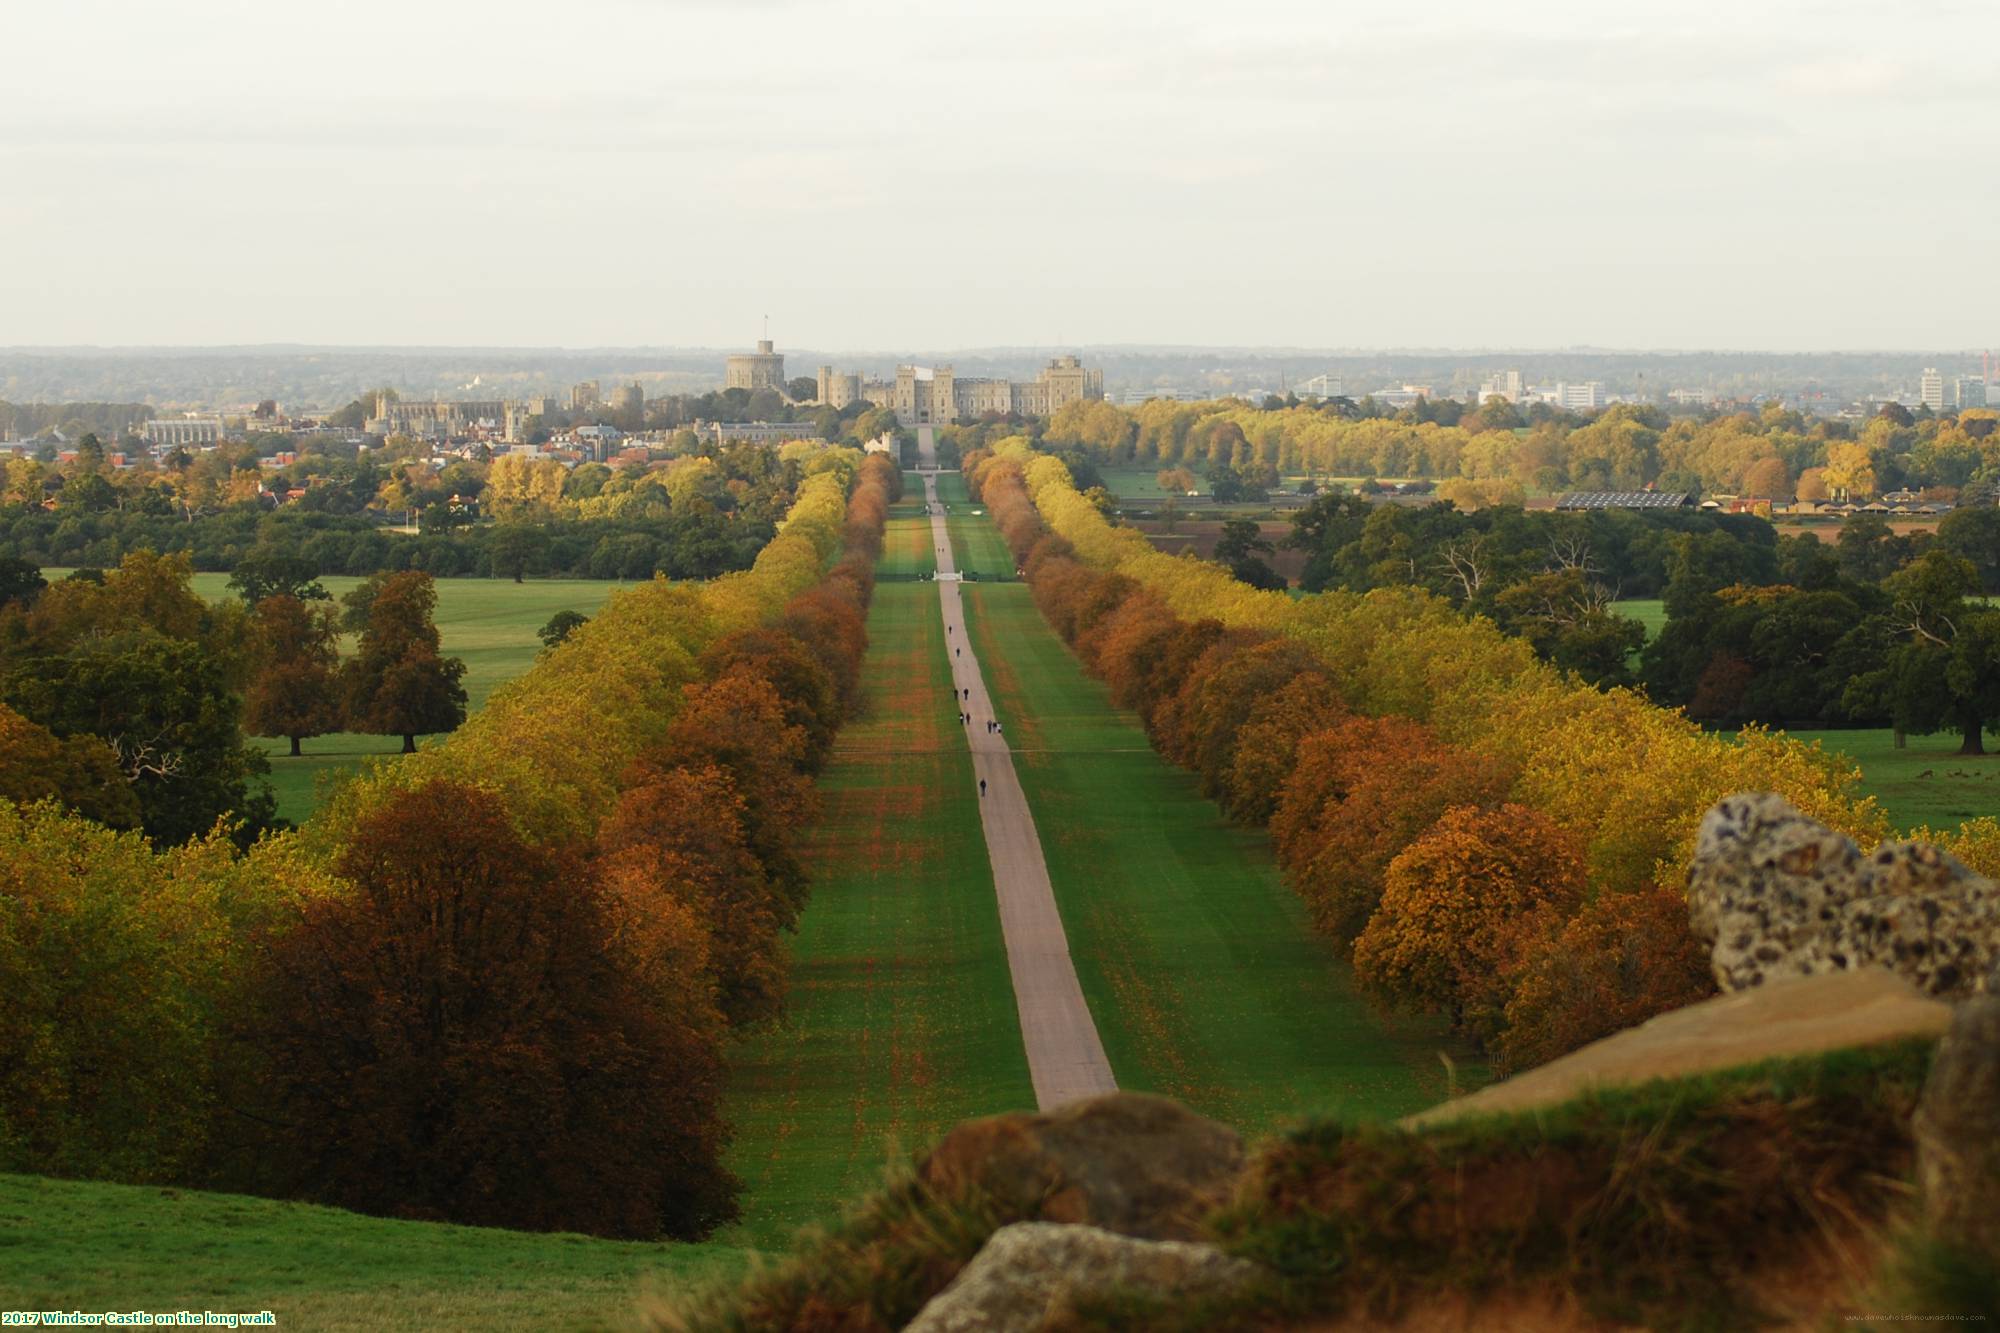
x=982 y=787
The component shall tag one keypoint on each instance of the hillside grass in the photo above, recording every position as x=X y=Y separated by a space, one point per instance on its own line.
x=84 y=1245
x=1205 y=978
x=902 y=1018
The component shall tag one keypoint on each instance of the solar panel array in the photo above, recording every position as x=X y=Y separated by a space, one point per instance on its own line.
x=1625 y=500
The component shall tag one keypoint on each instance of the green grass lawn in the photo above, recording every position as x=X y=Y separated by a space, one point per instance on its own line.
x=902 y=1018
x=81 y=1245
x=1648 y=611
x=1926 y=782
x=1206 y=981
x=906 y=547
x=1139 y=483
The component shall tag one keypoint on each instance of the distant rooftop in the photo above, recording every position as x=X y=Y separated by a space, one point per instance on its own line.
x=1627 y=500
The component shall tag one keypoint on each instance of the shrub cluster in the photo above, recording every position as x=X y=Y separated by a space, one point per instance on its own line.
x=493 y=981
x=1465 y=815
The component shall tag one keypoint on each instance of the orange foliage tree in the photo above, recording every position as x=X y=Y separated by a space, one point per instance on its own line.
x=678 y=836
x=1624 y=958
x=1363 y=791
x=479 y=1031
x=1460 y=906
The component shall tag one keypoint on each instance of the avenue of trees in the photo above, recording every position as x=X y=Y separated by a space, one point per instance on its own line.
x=493 y=981
x=1493 y=839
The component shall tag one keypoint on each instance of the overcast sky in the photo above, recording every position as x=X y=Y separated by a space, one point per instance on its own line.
x=961 y=173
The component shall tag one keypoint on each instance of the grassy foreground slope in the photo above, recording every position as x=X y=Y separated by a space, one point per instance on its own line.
x=1203 y=974
x=80 y=1245
x=902 y=1018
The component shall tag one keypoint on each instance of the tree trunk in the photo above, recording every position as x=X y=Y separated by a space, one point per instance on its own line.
x=1972 y=745
x=517 y=576
x=1901 y=739
x=409 y=744
x=295 y=747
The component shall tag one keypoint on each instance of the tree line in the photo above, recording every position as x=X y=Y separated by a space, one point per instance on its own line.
x=1771 y=453
x=692 y=518
x=495 y=981
x=1485 y=836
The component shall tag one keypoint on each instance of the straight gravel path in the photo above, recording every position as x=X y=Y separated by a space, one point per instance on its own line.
x=1066 y=1060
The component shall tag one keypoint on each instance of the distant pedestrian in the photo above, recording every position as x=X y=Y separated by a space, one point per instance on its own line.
x=968 y=691
x=982 y=786
x=956 y=653
x=997 y=728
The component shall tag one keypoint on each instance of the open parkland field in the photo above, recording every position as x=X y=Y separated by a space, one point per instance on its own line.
x=491 y=623
x=1924 y=784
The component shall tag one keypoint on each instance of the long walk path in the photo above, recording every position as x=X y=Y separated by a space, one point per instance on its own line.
x=1066 y=1060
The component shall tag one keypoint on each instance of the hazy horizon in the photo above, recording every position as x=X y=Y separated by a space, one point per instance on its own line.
x=1793 y=177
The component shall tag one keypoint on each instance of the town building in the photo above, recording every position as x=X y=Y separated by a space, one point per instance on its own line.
x=1585 y=397
x=182 y=432
x=437 y=419
x=921 y=394
x=1930 y=390
x=630 y=400
x=1969 y=391
x=1328 y=385
x=1626 y=500
x=1502 y=384
x=761 y=369
x=763 y=432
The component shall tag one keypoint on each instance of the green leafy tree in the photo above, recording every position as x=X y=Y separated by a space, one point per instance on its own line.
x=560 y=626
x=397 y=683
x=296 y=691
x=1947 y=673
x=267 y=572
x=515 y=549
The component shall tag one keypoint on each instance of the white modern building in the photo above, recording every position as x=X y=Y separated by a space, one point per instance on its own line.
x=1931 y=389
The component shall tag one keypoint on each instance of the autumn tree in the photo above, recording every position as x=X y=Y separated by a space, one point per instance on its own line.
x=296 y=690
x=1363 y=791
x=1461 y=905
x=1768 y=479
x=678 y=835
x=397 y=683
x=737 y=723
x=480 y=1031
x=1267 y=748
x=1625 y=958
x=143 y=663
x=809 y=693
x=79 y=772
